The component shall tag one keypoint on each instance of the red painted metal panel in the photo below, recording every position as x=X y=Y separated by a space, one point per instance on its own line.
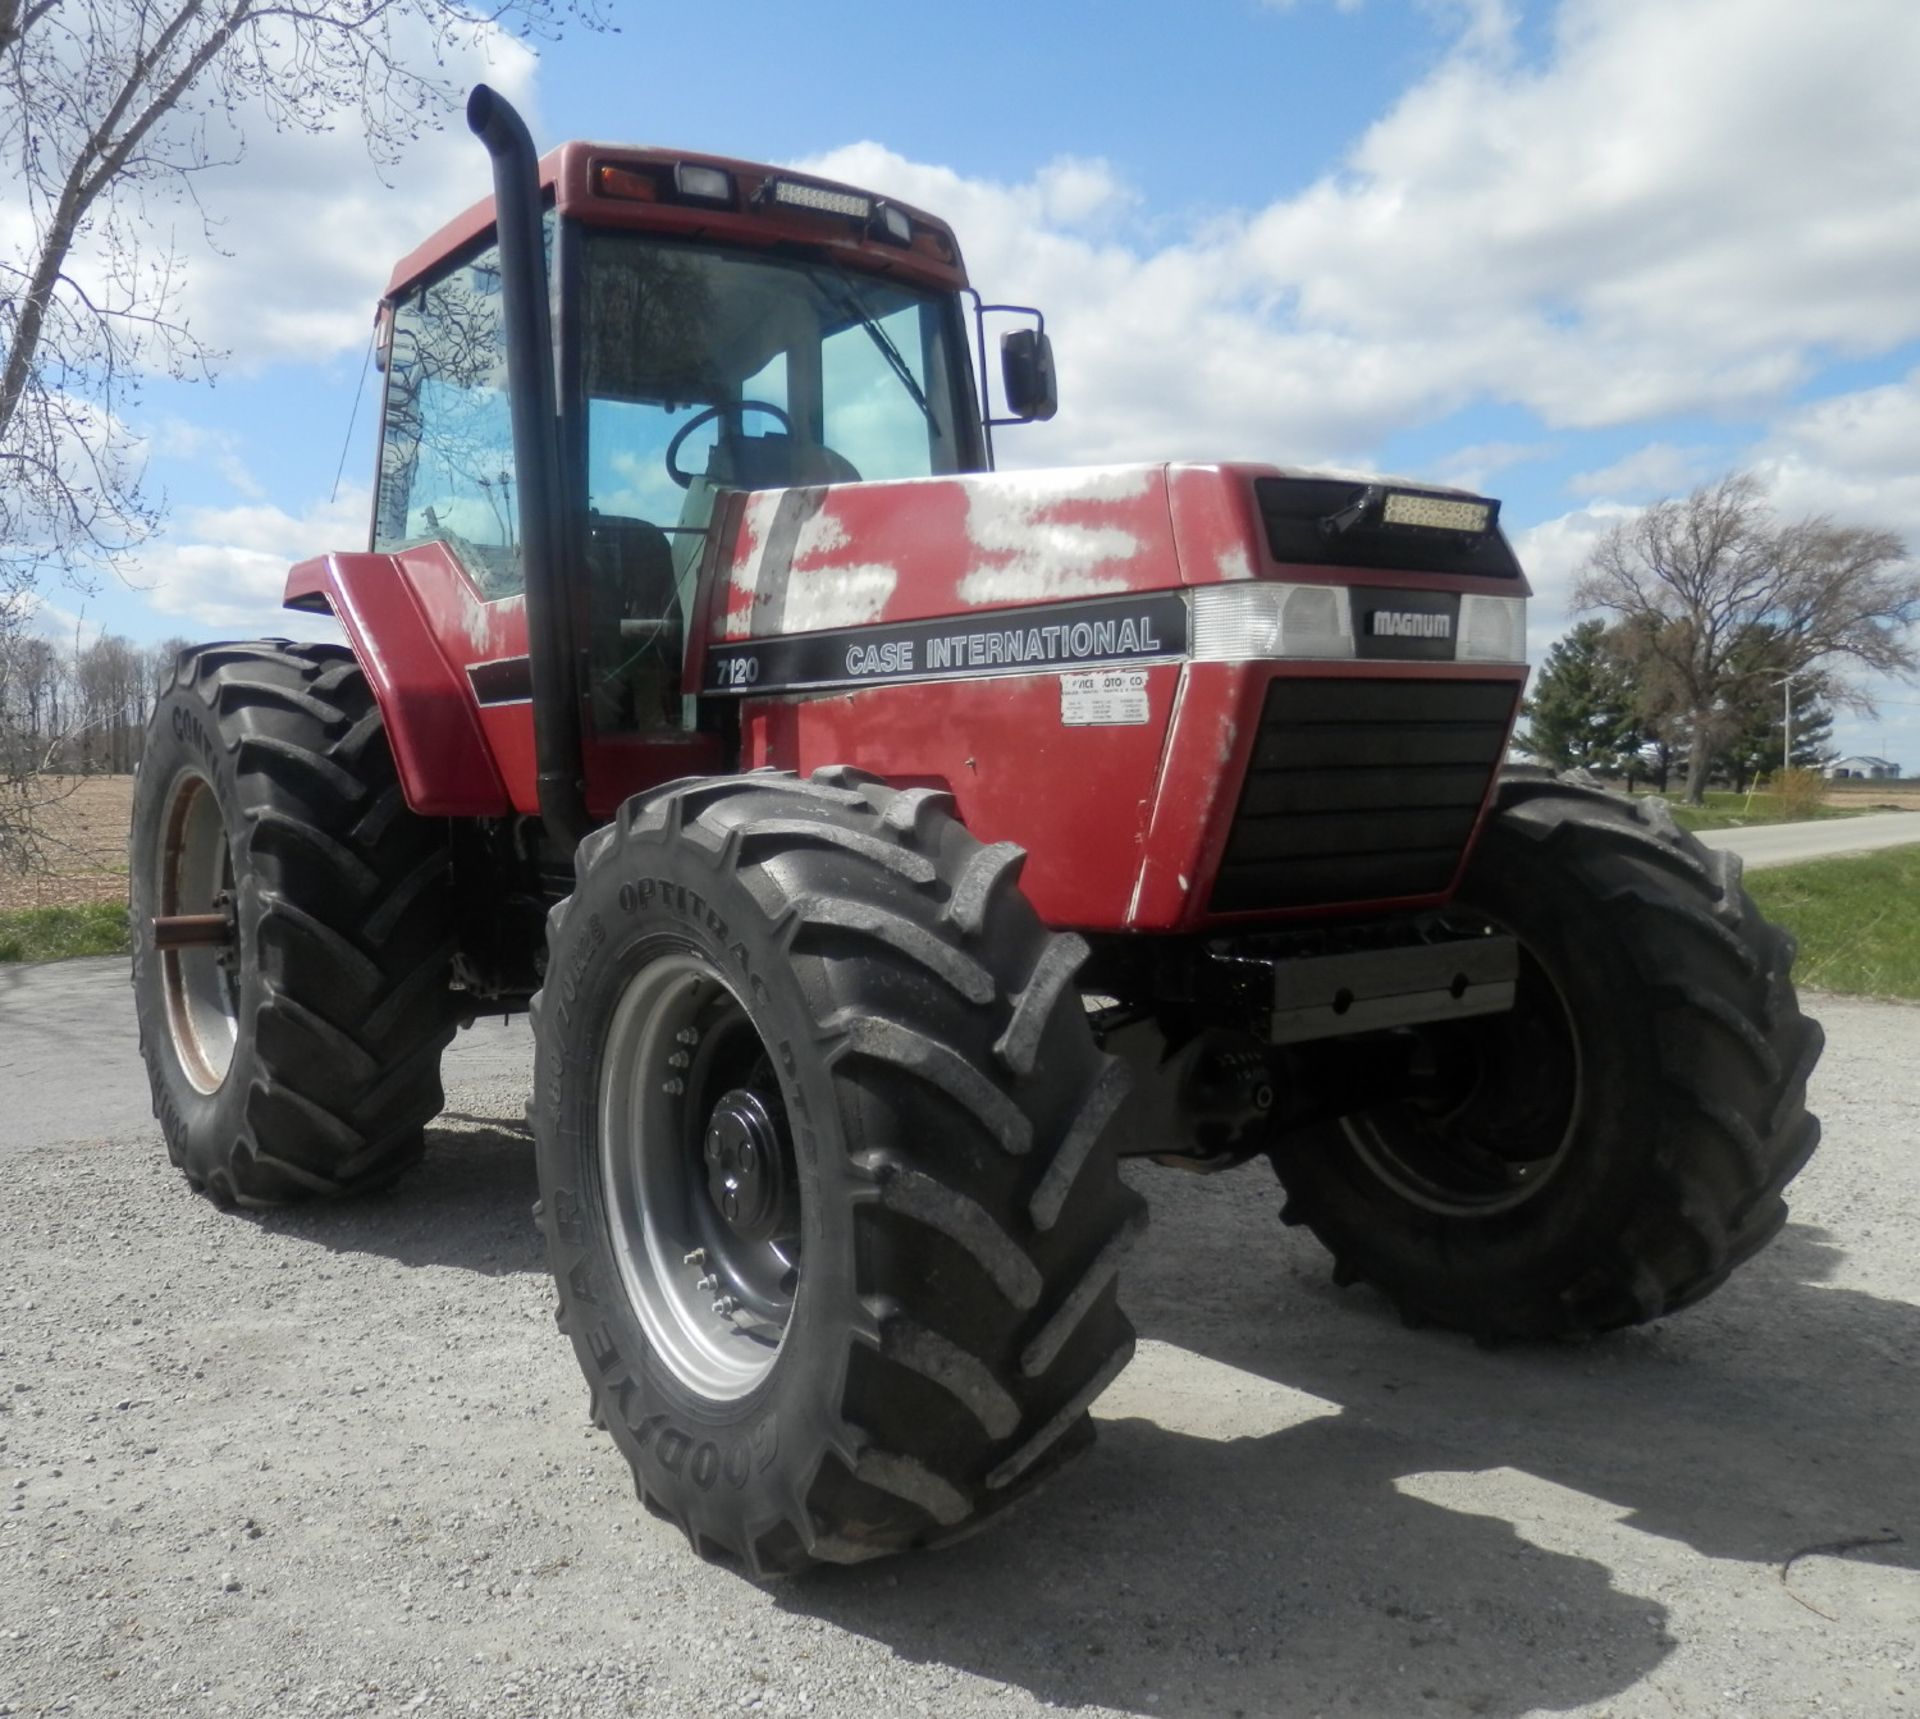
x=846 y=555
x=446 y=768
x=1077 y=799
x=567 y=175
x=439 y=626
x=1125 y=826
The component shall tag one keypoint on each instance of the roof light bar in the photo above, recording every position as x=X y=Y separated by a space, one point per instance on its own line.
x=1378 y=507
x=1435 y=512
x=818 y=198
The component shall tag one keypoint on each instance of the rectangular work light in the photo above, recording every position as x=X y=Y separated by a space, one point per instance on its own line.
x=818 y=198
x=1239 y=622
x=694 y=182
x=1435 y=512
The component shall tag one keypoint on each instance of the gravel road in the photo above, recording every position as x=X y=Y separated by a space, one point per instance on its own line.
x=337 y=1462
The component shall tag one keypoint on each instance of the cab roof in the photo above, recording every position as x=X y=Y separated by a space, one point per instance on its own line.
x=632 y=187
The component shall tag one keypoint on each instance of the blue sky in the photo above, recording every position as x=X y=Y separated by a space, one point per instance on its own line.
x=1580 y=255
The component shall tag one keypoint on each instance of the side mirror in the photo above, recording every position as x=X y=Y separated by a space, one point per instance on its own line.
x=1026 y=375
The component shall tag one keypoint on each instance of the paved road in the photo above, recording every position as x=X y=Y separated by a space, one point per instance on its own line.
x=1787 y=844
x=70 y=1068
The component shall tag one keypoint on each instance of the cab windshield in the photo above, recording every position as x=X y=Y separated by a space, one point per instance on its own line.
x=703 y=369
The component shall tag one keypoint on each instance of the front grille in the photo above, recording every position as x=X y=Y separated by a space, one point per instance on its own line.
x=1361 y=790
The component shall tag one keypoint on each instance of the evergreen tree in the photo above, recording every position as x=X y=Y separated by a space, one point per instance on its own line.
x=1581 y=714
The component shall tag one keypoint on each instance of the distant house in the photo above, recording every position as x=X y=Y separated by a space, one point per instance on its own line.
x=1862 y=769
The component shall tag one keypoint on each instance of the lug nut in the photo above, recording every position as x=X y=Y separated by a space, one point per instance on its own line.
x=687 y=1036
x=725 y=1305
x=673 y=1088
x=697 y=1257
x=707 y=1285
x=679 y=1059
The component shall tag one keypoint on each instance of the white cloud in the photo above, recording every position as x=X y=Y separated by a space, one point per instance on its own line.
x=1683 y=208
x=314 y=232
x=1475 y=466
x=1678 y=211
x=1647 y=473
x=304 y=231
x=175 y=438
x=221 y=570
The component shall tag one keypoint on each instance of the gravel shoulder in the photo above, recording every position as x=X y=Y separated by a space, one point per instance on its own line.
x=337 y=1461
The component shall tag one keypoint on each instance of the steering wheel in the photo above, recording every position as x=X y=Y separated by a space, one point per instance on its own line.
x=726 y=409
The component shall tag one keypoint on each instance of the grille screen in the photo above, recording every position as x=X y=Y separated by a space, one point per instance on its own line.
x=1361 y=790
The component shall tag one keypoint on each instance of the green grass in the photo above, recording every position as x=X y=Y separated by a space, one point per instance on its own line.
x=1858 y=920
x=56 y=933
x=1729 y=811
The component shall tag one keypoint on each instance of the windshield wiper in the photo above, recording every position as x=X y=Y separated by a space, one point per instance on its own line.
x=848 y=297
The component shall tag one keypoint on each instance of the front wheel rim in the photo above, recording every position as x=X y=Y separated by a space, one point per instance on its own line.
x=1509 y=1128
x=697 y=1163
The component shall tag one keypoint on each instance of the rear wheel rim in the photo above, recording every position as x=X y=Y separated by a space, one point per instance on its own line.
x=702 y=1195
x=202 y=985
x=1495 y=1134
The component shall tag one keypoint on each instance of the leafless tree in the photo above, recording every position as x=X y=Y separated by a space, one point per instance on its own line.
x=1695 y=581
x=109 y=110
x=108 y=107
x=30 y=709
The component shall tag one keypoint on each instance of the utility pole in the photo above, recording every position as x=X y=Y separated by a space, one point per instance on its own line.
x=1786 y=750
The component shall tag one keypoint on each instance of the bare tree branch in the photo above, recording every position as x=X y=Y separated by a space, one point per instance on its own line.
x=108 y=110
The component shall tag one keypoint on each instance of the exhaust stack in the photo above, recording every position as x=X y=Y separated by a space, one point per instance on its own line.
x=536 y=457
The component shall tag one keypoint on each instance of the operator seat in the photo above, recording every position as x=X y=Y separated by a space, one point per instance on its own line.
x=634 y=624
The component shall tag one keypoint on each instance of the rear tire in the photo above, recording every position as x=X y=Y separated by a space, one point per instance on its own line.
x=906 y=1043
x=1612 y=1149
x=307 y=1063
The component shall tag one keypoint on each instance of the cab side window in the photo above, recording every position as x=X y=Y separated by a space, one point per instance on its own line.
x=446 y=452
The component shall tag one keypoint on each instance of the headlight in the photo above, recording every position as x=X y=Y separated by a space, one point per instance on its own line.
x=1232 y=623
x=1492 y=630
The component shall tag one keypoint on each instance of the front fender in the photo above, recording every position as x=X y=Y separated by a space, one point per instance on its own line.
x=445 y=766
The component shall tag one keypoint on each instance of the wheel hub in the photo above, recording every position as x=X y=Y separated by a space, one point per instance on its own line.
x=745 y=1165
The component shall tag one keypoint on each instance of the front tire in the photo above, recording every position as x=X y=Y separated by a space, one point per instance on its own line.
x=1611 y=1149
x=820 y=1128
x=303 y=1058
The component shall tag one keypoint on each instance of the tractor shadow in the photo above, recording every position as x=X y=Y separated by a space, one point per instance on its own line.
x=468 y=1203
x=1252 y=1551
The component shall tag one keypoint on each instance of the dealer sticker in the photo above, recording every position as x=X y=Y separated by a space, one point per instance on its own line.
x=1104 y=698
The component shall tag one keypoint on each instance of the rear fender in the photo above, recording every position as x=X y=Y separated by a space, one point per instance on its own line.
x=445 y=765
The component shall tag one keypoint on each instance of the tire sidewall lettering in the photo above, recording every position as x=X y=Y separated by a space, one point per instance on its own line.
x=683 y=1449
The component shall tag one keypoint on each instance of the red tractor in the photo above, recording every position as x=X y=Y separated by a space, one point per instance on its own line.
x=886 y=847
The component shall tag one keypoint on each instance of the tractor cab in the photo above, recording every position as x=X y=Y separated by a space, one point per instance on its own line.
x=716 y=325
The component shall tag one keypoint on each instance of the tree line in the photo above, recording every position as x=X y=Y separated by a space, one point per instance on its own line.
x=1713 y=619
x=78 y=709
